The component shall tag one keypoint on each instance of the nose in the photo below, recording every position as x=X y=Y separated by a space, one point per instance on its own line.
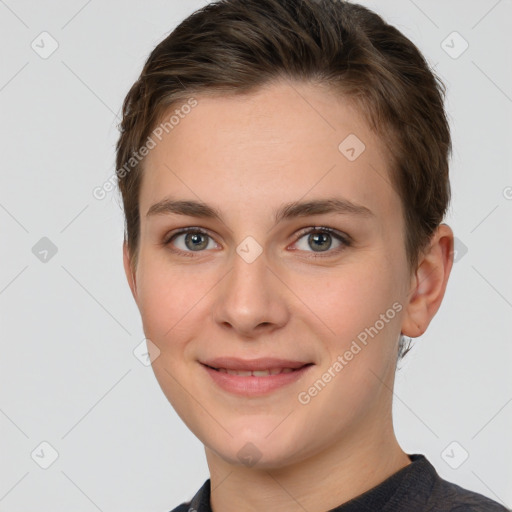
x=251 y=299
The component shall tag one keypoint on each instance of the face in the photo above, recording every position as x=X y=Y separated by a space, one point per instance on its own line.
x=295 y=252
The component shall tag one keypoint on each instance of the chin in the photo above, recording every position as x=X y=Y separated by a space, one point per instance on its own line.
x=255 y=448
x=256 y=457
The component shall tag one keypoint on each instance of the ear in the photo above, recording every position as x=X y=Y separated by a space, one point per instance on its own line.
x=130 y=275
x=428 y=283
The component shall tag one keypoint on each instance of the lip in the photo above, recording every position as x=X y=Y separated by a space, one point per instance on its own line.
x=250 y=386
x=262 y=363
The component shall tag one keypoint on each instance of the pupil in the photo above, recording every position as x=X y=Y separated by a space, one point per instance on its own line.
x=322 y=238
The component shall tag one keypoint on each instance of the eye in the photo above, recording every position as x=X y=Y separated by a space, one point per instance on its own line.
x=191 y=240
x=315 y=240
x=322 y=240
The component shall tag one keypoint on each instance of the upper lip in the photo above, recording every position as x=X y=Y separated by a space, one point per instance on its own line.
x=264 y=363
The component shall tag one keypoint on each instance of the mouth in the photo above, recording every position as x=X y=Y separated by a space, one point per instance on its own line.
x=257 y=377
x=258 y=373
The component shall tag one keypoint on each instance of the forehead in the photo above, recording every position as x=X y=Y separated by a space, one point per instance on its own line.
x=281 y=143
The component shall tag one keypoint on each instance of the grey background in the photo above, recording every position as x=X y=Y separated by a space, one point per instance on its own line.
x=69 y=325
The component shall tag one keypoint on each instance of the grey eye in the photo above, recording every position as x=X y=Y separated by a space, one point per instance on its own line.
x=318 y=241
x=193 y=241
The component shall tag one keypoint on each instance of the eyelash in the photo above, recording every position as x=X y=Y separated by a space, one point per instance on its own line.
x=344 y=239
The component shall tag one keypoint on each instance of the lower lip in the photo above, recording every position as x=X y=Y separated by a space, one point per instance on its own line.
x=254 y=386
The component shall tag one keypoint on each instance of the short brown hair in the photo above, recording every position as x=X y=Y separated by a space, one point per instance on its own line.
x=236 y=46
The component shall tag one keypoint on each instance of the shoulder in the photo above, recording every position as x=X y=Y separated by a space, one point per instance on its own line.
x=199 y=503
x=422 y=489
x=184 y=507
x=444 y=496
x=449 y=497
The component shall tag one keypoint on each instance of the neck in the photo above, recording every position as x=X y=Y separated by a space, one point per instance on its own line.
x=322 y=482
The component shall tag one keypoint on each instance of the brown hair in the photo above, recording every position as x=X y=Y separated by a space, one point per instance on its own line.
x=236 y=46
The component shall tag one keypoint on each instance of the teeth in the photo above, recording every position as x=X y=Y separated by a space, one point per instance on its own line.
x=256 y=373
x=261 y=373
x=241 y=373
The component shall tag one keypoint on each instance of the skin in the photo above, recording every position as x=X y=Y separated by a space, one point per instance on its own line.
x=247 y=155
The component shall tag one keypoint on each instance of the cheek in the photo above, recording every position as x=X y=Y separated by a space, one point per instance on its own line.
x=168 y=300
x=361 y=307
x=350 y=299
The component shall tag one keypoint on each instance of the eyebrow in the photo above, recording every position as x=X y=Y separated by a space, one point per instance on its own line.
x=285 y=212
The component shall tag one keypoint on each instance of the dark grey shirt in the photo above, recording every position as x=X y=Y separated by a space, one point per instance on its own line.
x=415 y=488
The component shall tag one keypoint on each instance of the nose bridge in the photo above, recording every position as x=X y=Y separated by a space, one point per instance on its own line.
x=250 y=296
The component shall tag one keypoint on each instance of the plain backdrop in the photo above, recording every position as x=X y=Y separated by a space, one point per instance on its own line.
x=69 y=326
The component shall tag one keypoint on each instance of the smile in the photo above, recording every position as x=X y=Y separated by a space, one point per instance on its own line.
x=255 y=373
x=258 y=382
